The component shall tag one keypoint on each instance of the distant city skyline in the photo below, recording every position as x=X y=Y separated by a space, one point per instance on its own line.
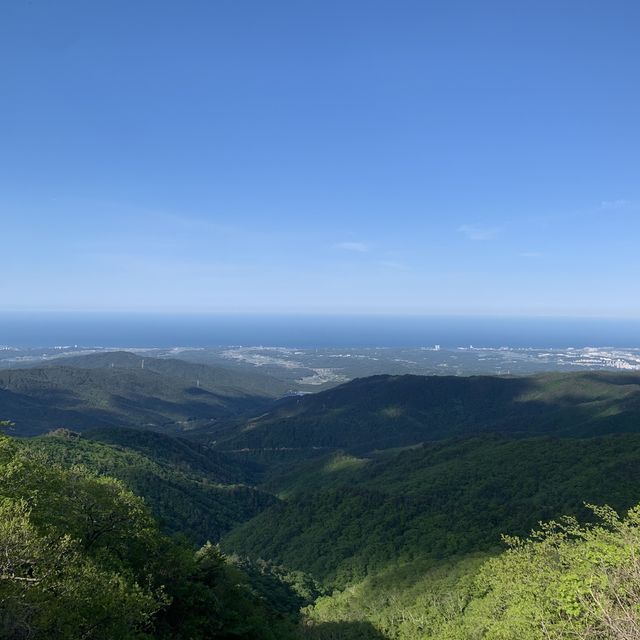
x=365 y=157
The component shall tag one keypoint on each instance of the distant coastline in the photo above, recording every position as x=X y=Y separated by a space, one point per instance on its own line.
x=47 y=329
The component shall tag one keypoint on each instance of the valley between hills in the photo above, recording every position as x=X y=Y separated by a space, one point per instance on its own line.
x=206 y=501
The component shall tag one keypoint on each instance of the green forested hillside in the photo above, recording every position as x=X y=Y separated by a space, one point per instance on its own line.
x=81 y=557
x=345 y=517
x=566 y=581
x=200 y=500
x=374 y=511
x=404 y=601
x=75 y=398
x=179 y=453
x=394 y=411
x=223 y=379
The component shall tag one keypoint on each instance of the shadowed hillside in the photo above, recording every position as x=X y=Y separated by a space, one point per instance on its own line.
x=344 y=517
x=178 y=452
x=373 y=488
x=188 y=493
x=220 y=378
x=164 y=395
x=394 y=411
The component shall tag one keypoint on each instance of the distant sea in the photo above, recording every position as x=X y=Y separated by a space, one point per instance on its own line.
x=306 y=331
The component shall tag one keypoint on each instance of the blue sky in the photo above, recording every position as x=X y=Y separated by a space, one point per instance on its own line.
x=321 y=156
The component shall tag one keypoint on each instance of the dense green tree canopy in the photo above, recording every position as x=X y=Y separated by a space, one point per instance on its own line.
x=113 y=532
x=82 y=557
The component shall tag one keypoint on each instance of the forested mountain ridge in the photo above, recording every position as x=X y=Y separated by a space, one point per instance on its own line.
x=396 y=535
x=178 y=452
x=83 y=398
x=242 y=410
x=382 y=412
x=343 y=517
x=222 y=379
x=188 y=494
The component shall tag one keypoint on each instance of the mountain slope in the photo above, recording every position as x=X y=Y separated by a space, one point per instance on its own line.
x=201 y=499
x=81 y=557
x=219 y=378
x=381 y=412
x=39 y=399
x=343 y=518
x=177 y=452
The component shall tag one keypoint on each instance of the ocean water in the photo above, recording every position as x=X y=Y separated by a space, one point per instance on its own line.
x=307 y=331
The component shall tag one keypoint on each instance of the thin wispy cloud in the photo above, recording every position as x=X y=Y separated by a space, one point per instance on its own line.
x=530 y=254
x=621 y=203
x=357 y=247
x=473 y=232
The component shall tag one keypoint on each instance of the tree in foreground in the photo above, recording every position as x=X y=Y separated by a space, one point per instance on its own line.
x=565 y=581
x=82 y=558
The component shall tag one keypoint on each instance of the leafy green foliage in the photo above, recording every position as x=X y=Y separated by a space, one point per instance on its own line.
x=284 y=590
x=345 y=518
x=187 y=491
x=179 y=453
x=74 y=553
x=403 y=601
x=81 y=557
x=566 y=581
x=387 y=538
